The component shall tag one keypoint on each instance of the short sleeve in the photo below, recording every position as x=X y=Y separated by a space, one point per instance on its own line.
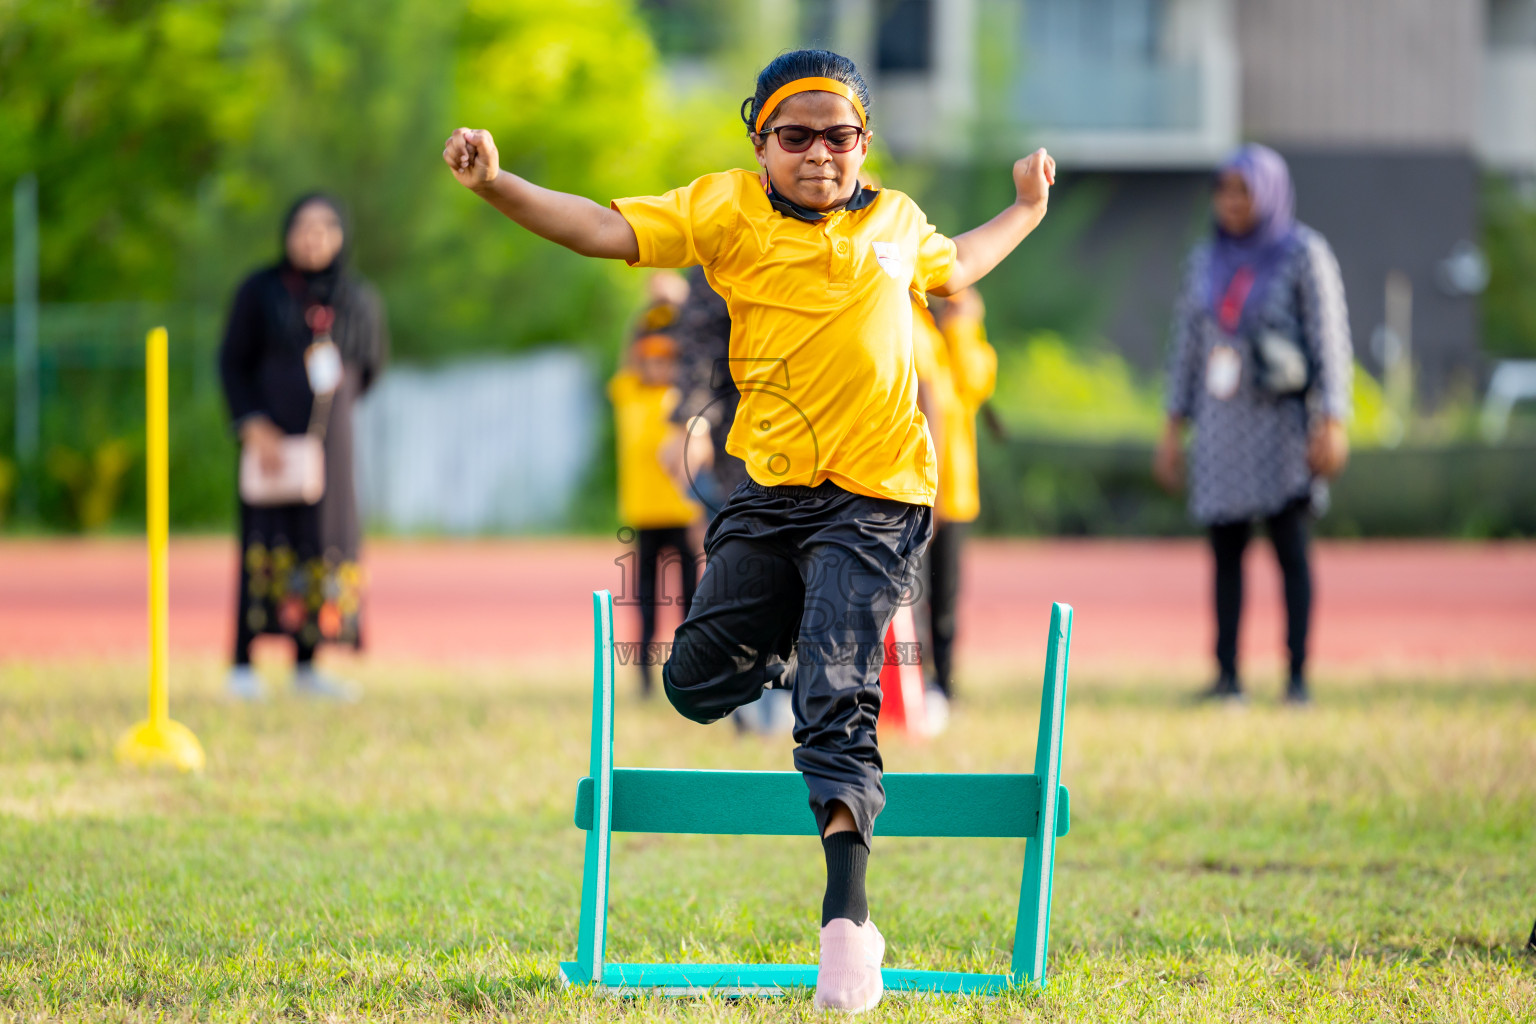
x=686 y=226
x=935 y=258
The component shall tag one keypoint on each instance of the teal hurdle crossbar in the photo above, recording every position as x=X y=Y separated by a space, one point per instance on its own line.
x=1033 y=807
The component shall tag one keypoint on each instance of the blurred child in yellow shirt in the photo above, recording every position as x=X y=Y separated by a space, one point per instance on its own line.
x=650 y=503
x=957 y=371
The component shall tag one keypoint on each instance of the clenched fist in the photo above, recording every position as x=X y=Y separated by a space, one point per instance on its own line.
x=471 y=154
x=1033 y=177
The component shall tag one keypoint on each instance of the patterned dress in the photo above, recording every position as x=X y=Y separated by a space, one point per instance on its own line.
x=1248 y=458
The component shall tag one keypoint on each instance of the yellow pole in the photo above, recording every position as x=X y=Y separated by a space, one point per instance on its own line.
x=158 y=740
x=157 y=457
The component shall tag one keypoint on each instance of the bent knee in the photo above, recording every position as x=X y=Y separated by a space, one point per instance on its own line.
x=692 y=678
x=705 y=681
x=687 y=698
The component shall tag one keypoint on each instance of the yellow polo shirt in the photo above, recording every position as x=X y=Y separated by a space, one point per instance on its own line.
x=821 y=328
x=648 y=499
x=972 y=365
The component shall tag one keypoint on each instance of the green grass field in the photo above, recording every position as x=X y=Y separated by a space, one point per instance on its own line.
x=412 y=857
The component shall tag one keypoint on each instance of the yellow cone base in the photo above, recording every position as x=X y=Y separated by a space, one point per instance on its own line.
x=152 y=744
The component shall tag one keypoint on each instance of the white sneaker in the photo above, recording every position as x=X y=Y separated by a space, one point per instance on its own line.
x=935 y=710
x=309 y=683
x=244 y=684
x=772 y=714
x=848 y=973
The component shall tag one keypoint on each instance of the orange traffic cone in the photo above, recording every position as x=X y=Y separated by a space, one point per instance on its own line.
x=902 y=703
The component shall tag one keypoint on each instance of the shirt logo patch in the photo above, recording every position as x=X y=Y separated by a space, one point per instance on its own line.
x=888 y=255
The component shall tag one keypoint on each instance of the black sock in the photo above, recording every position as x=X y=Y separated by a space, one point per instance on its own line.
x=847 y=857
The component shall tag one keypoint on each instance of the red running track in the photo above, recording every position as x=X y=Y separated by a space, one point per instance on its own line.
x=1142 y=606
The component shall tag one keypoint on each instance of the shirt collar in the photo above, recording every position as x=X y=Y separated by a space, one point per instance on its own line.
x=862 y=197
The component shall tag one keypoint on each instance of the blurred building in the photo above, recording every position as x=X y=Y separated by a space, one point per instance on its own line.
x=1389 y=111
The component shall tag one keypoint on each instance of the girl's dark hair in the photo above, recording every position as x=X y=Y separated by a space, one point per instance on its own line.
x=787 y=67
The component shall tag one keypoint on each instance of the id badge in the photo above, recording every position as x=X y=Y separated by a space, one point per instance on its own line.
x=322 y=362
x=1223 y=371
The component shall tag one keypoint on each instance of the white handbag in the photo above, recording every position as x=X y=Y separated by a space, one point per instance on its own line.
x=299 y=477
x=1283 y=368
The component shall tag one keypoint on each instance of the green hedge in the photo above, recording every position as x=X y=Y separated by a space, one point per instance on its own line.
x=88 y=475
x=1052 y=487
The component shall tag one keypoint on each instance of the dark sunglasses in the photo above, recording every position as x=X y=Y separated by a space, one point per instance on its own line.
x=797 y=138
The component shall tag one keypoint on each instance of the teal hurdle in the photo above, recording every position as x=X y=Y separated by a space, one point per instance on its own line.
x=1033 y=807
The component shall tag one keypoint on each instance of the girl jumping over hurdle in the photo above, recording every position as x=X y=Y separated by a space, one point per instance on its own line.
x=808 y=559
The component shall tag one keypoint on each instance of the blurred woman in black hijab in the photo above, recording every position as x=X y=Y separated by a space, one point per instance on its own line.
x=299 y=573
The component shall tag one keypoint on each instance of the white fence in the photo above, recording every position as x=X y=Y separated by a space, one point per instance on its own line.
x=490 y=445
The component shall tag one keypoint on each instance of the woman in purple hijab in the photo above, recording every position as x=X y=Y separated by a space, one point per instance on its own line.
x=1262 y=367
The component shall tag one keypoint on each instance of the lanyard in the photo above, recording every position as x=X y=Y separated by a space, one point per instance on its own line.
x=322 y=365
x=1230 y=310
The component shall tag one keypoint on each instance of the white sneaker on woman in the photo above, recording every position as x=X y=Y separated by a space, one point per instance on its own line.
x=848 y=974
x=309 y=683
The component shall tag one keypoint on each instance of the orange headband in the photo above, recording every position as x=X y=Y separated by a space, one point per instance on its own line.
x=799 y=85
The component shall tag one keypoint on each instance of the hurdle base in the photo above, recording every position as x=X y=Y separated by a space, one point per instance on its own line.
x=163 y=743
x=738 y=980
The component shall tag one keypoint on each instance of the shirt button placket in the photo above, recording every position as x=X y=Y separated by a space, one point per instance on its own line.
x=841 y=264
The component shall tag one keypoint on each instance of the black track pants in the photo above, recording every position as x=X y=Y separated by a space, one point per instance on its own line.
x=802 y=582
x=943 y=594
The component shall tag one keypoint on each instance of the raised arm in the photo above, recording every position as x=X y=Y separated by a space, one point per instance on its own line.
x=575 y=222
x=980 y=249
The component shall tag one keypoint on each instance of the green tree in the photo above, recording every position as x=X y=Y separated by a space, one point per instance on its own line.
x=1509 y=304
x=357 y=96
x=169 y=136
x=121 y=109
